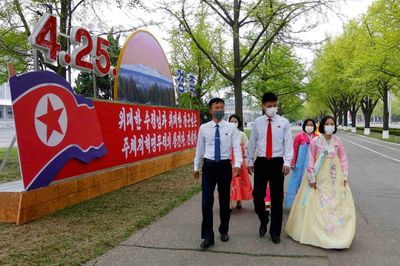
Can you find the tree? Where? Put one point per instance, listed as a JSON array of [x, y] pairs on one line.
[[14, 48], [282, 73], [380, 54], [186, 56], [252, 28], [360, 66], [104, 85], [20, 15]]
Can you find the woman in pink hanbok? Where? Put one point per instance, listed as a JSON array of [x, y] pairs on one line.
[[323, 212]]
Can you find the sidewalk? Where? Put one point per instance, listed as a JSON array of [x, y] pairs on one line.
[[175, 240]]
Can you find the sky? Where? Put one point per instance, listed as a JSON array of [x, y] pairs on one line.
[[332, 27], [347, 10]]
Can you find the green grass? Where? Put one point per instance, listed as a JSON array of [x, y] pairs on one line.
[[392, 131], [11, 169], [377, 135], [82, 232]]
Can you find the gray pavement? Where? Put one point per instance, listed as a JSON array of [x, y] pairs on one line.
[[374, 180]]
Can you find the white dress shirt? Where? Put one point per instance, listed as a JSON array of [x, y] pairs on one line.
[[229, 137], [281, 139]]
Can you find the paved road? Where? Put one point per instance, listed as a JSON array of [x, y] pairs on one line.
[[374, 179]]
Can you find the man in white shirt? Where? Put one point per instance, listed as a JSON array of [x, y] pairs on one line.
[[214, 143], [272, 138]]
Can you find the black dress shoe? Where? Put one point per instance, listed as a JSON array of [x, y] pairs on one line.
[[263, 229], [275, 239], [224, 237], [207, 243]]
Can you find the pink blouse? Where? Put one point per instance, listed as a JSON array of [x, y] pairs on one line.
[[319, 145], [300, 139]]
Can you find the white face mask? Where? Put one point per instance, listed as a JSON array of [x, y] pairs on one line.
[[309, 129], [329, 130], [235, 124], [271, 111]]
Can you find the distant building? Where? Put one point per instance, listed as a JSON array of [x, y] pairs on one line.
[[249, 113], [5, 103]]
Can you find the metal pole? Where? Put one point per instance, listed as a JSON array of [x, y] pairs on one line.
[[390, 107], [69, 67], [94, 86], [3, 163], [35, 60]]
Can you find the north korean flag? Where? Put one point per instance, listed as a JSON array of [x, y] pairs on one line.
[[53, 126]]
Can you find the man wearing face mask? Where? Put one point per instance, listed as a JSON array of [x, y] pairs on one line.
[[214, 143], [271, 139]]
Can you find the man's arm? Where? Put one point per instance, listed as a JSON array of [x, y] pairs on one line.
[[200, 149], [252, 145], [288, 145], [236, 136]]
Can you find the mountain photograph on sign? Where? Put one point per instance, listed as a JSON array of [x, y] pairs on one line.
[[145, 85], [144, 75]]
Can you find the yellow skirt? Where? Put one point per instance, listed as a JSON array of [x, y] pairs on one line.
[[324, 217]]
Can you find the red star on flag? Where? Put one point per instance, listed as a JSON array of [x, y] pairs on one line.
[[51, 119]]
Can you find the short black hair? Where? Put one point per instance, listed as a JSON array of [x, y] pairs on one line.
[[305, 123], [215, 100], [269, 97], [322, 124], [237, 118]]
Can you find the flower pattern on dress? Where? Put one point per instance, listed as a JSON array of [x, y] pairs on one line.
[[330, 228], [325, 200], [333, 173]]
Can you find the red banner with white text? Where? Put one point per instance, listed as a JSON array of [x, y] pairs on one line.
[[135, 132]]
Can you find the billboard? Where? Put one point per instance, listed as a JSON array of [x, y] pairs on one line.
[[143, 72], [61, 135]]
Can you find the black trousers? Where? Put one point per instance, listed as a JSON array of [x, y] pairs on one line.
[[215, 173], [269, 171]]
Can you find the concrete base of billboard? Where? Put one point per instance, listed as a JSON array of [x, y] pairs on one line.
[[24, 206]]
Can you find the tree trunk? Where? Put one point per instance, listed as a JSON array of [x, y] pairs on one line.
[[367, 117], [62, 71], [367, 107], [237, 82], [335, 115], [353, 112], [345, 120], [340, 115], [385, 94]]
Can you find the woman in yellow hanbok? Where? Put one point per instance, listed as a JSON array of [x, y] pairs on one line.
[[323, 212]]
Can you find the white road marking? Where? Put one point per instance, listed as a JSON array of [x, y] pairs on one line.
[[374, 139], [371, 150], [374, 143]]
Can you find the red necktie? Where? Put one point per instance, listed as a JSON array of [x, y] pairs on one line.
[[269, 139]]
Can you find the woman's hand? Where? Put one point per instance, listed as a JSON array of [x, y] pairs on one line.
[[313, 185]]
